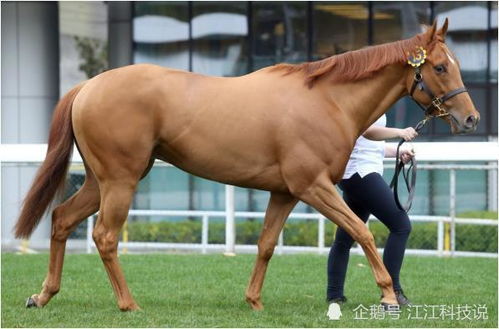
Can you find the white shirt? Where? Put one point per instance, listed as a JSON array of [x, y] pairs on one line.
[[367, 155]]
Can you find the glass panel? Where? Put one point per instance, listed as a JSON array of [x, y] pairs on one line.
[[240, 199], [394, 21], [208, 195], [74, 182], [493, 41], [302, 207], [83, 30], [260, 200], [439, 192], [471, 191], [404, 113], [161, 34], [339, 27], [467, 35], [219, 32], [163, 188], [279, 33]]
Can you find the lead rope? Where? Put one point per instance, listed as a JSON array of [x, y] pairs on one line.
[[411, 170]]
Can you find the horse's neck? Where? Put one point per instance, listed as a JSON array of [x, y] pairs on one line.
[[367, 100]]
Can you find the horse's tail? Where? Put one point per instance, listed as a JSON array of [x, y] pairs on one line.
[[50, 178]]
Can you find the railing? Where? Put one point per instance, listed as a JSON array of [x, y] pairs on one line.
[[230, 247], [438, 152], [230, 215]]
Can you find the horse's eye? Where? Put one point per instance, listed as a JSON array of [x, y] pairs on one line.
[[440, 69]]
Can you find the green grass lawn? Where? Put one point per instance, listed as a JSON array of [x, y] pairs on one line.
[[208, 291]]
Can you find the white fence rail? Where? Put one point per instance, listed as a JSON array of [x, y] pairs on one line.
[[425, 151], [15, 155], [230, 215], [204, 246]]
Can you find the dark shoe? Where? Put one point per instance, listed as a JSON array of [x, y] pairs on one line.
[[401, 298], [338, 300]]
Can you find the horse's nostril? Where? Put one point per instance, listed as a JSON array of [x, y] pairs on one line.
[[471, 121]]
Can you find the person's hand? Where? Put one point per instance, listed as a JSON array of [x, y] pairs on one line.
[[406, 155], [408, 134]]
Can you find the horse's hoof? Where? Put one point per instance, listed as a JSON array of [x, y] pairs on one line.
[[31, 302]]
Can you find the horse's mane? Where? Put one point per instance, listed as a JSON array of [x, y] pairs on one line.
[[355, 65]]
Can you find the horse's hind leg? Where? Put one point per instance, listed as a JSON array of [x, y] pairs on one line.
[[116, 196], [280, 205], [65, 218], [323, 196]]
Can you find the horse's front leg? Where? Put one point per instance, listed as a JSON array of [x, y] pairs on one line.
[[323, 196], [280, 205]]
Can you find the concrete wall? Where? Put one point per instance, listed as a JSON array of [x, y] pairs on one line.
[[30, 90]]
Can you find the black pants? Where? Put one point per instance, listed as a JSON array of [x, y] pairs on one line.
[[365, 196]]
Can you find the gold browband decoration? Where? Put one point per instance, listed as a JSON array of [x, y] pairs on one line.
[[417, 58]]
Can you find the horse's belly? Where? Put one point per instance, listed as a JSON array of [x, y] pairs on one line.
[[223, 163]]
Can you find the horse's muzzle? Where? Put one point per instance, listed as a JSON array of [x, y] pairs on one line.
[[471, 122], [467, 126]]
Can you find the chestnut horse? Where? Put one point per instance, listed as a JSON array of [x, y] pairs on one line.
[[287, 129]]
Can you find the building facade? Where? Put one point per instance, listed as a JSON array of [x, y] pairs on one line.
[[47, 47]]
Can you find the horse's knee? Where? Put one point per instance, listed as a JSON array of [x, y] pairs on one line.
[[106, 243]]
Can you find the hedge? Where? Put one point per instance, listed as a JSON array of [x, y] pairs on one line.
[[304, 233]]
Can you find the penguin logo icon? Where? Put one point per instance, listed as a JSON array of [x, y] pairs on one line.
[[334, 311]]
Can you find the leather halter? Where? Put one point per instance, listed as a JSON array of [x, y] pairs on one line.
[[436, 103]]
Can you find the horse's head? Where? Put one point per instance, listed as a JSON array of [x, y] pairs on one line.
[[435, 82]]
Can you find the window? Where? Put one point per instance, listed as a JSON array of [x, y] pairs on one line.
[[220, 34], [339, 27], [493, 42], [467, 36], [161, 34], [279, 33], [394, 21], [83, 31]]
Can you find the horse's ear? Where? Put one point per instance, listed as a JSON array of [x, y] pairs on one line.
[[432, 30], [443, 30]]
